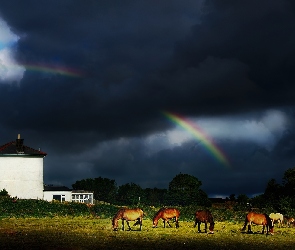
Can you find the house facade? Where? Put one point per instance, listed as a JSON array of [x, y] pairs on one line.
[[57, 193], [21, 175], [21, 169]]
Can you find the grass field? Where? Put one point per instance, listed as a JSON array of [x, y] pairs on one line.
[[91, 233]]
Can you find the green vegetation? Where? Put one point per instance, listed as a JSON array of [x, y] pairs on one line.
[[38, 224], [11, 207], [183, 190]]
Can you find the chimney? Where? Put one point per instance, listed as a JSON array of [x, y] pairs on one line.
[[19, 145]]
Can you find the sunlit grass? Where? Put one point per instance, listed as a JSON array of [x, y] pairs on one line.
[[91, 233]]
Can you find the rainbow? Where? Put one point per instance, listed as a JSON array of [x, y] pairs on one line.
[[200, 135], [53, 70]]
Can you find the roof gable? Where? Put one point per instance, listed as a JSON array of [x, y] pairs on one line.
[[17, 148]]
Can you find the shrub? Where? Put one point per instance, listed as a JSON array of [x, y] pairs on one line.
[[3, 192]]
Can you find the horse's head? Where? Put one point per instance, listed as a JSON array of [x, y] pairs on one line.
[[115, 224], [211, 227], [271, 227], [155, 223], [270, 223]]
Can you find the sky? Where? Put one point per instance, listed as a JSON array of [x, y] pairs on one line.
[[140, 91]]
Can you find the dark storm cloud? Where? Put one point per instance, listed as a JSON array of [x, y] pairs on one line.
[[131, 67], [256, 34], [137, 58], [117, 45]]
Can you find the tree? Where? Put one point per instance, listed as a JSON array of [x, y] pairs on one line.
[[184, 190], [130, 194], [281, 197], [104, 189], [289, 182], [154, 196], [232, 197], [243, 199]]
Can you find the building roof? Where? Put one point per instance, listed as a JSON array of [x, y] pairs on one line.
[[17, 148], [56, 188]]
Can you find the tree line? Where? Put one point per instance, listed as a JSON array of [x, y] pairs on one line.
[[186, 190], [183, 190], [279, 196]]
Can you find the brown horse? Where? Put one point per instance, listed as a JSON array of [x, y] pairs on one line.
[[258, 219], [166, 214], [128, 215], [204, 216]]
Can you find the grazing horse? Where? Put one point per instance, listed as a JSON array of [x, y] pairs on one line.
[[289, 221], [128, 215], [204, 216], [258, 219], [277, 217], [166, 214]]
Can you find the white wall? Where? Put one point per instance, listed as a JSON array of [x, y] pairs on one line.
[[48, 195], [22, 176]]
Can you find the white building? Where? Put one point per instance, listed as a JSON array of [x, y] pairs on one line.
[[65, 194], [21, 175], [21, 169], [57, 193]]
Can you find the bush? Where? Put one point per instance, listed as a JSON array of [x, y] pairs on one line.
[[3, 192]]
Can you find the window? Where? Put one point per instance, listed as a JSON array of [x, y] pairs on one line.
[[56, 197], [59, 197], [83, 198]]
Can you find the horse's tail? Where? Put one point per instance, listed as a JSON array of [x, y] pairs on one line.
[[177, 213]]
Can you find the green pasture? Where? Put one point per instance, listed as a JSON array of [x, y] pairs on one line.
[[81, 232], [38, 224]]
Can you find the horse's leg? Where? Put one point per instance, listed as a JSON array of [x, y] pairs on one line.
[[129, 228], [140, 224], [137, 222], [176, 222], [205, 226], [164, 221], [195, 223], [168, 223], [122, 224], [199, 226], [249, 227]]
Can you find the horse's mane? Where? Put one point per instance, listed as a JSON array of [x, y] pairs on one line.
[[117, 214]]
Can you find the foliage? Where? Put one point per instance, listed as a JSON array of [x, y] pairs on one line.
[[105, 211], [280, 197], [185, 190], [243, 199], [130, 194], [11, 207], [289, 182], [154, 196], [3, 192]]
